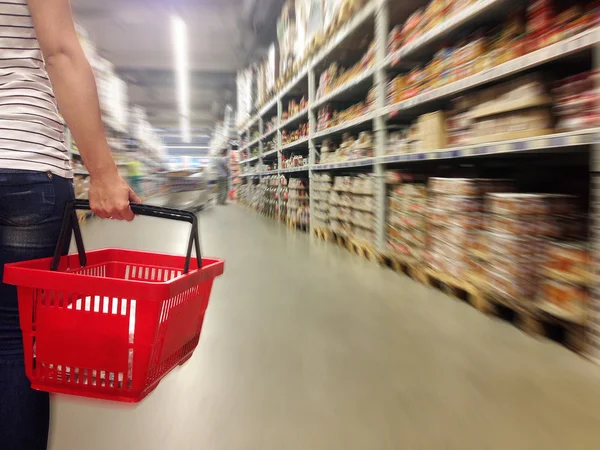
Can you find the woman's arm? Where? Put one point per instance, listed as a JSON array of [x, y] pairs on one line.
[[75, 89]]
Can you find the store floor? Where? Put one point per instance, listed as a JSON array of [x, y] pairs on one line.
[[306, 347]]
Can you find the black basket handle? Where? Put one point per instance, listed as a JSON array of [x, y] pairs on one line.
[[70, 222]]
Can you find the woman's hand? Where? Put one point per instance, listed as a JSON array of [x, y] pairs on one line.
[[110, 197]]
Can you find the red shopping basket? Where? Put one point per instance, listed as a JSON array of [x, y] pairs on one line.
[[110, 324]]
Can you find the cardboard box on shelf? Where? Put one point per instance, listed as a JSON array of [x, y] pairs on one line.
[[432, 130]]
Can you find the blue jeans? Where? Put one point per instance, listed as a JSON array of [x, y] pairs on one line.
[[31, 210]]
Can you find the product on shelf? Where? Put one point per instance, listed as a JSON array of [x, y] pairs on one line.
[[407, 220], [486, 49], [577, 102], [303, 29], [335, 77], [268, 201], [321, 189], [293, 161], [525, 221], [300, 133], [567, 297], [423, 20], [349, 149], [427, 133], [351, 208], [328, 118], [271, 124], [270, 145], [298, 203], [294, 108], [455, 221]]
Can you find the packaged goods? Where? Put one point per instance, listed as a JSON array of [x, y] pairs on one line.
[[406, 221], [522, 289], [467, 186], [576, 102], [467, 221], [351, 207], [564, 295], [457, 203], [521, 265], [571, 259], [533, 225], [509, 244], [518, 204], [300, 133], [435, 136]]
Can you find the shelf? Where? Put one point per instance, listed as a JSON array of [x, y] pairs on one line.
[[347, 88], [441, 32], [365, 162], [267, 154], [297, 143], [295, 81], [549, 141], [268, 106], [81, 172], [268, 134], [253, 120], [249, 160], [552, 52], [364, 14], [295, 118], [344, 126], [295, 169], [268, 172], [252, 143]]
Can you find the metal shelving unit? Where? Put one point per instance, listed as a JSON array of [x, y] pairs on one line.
[[379, 11]]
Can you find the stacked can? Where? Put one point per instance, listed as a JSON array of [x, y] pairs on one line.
[[455, 222], [407, 220], [519, 228]]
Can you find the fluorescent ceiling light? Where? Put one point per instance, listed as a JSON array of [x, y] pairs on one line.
[[180, 52], [196, 147]]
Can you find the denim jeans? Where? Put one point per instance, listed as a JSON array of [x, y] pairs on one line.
[[31, 209], [223, 190]]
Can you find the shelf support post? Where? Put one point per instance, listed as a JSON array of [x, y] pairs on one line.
[[379, 122], [312, 146]]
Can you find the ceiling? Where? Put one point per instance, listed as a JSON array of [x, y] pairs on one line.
[[223, 35]]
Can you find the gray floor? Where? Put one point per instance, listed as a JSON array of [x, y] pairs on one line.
[[306, 347]]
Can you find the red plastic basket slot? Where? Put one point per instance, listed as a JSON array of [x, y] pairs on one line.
[[114, 328]]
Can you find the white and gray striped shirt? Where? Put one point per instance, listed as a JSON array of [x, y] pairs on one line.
[[31, 129]]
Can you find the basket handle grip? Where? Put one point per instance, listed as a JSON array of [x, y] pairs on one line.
[[70, 222]]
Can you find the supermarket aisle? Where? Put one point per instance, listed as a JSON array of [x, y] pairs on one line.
[[306, 347]]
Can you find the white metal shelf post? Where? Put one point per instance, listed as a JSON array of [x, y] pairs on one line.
[[379, 122], [312, 146], [278, 154], [260, 141], [592, 347], [592, 344]]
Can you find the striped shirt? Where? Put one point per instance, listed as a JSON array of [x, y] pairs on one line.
[[31, 129]]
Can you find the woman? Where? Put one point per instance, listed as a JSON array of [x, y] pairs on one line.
[[42, 66]]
